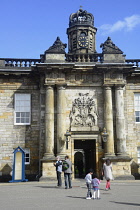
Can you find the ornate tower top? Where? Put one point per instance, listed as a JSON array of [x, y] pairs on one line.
[[81, 33], [81, 17]]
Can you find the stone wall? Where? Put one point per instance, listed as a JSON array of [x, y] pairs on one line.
[[25, 136], [132, 128]]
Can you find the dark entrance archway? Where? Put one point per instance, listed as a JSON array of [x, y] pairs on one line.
[[89, 155]]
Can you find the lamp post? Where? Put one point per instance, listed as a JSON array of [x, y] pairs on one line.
[[104, 135], [67, 134]]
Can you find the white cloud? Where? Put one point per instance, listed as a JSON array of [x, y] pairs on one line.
[[128, 24]]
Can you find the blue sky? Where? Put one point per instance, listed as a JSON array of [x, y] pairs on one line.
[[29, 27]]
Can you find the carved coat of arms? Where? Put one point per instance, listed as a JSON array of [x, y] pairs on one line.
[[84, 112]]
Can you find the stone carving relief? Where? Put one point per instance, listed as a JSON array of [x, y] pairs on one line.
[[84, 111], [109, 47], [57, 47]]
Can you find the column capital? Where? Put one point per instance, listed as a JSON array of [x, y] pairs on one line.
[[119, 87], [49, 87], [61, 86], [107, 87]]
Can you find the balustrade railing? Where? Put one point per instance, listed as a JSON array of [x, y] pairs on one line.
[[81, 22], [15, 62], [135, 62], [96, 57]]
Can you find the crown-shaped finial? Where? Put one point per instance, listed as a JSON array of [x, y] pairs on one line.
[[81, 16]]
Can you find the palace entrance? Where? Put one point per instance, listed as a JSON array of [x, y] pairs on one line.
[[84, 157]]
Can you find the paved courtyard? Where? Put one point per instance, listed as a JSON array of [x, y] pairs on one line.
[[45, 195]]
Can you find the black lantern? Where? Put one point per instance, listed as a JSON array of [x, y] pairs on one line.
[[104, 135]]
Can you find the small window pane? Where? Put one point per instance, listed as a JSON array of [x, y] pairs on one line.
[[27, 120], [18, 114], [22, 114], [17, 120], [27, 156], [22, 120], [27, 114]]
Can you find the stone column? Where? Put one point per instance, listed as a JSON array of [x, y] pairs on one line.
[[49, 123], [120, 121], [61, 120], [108, 117]]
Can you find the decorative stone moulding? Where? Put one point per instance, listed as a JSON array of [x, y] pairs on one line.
[[84, 113]]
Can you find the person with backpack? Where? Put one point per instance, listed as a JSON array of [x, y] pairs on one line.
[[58, 165], [67, 168]]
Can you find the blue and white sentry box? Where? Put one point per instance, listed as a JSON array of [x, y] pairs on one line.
[[18, 173]]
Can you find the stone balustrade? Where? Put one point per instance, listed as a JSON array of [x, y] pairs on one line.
[[136, 62], [15, 62], [96, 57]]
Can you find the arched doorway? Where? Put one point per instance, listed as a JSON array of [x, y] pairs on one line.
[[79, 163]]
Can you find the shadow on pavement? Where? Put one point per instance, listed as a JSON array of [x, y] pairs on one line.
[[51, 187], [131, 204], [76, 197]]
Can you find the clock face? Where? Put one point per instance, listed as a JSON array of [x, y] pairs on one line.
[[83, 41]]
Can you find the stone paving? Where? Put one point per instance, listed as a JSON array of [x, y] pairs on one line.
[[45, 195]]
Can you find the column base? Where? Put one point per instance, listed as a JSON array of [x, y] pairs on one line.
[[109, 155], [48, 156], [124, 177], [122, 154], [121, 167], [48, 168]]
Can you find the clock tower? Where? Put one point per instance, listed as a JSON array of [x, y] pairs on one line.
[[81, 33]]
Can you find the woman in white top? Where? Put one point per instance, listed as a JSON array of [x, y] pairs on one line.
[[107, 173]]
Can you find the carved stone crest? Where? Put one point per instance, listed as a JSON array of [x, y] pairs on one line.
[[57, 47], [84, 111], [108, 47]]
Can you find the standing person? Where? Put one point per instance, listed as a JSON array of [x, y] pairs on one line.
[[67, 172], [58, 165], [88, 179], [95, 184], [107, 172]]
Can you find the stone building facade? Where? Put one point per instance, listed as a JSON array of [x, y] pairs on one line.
[[82, 103]]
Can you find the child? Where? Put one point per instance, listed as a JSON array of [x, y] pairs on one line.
[[95, 184], [88, 179]]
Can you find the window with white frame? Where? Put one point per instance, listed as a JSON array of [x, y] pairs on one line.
[[138, 154], [22, 109], [137, 107], [27, 156]]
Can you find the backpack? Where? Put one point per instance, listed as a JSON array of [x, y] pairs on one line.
[[65, 166]]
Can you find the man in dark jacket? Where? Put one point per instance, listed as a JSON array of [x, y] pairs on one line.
[[67, 173], [58, 166]]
